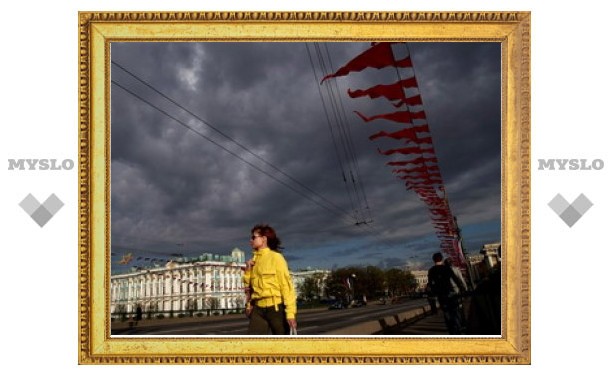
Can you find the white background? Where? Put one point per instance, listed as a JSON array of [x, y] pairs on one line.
[[570, 106]]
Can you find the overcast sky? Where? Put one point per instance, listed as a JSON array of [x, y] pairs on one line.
[[175, 188]]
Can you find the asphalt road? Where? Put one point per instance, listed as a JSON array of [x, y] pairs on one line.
[[310, 322]]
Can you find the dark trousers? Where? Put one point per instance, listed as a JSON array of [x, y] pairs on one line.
[[451, 307], [267, 319]]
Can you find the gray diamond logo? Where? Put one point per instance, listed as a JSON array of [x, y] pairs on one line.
[[41, 213], [570, 213]]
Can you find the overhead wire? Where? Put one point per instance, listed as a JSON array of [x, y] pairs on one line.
[[333, 100], [353, 156], [332, 210], [233, 140], [339, 115], [329, 117], [356, 194]]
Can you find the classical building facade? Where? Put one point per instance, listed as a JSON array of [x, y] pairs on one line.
[[208, 284], [421, 279], [320, 275]]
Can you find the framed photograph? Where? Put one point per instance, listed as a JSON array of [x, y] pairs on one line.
[[379, 145]]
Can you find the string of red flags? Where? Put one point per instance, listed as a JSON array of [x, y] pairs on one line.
[[419, 169], [144, 262], [378, 56], [125, 259], [393, 91], [407, 151], [410, 134], [129, 258]]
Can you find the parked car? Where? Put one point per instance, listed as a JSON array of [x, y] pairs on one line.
[[358, 303], [337, 306]]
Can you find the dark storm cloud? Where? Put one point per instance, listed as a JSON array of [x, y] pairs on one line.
[[173, 187]]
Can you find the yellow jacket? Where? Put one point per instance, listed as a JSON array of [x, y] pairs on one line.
[[270, 281]]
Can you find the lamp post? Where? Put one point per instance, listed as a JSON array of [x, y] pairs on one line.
[[353, 276]]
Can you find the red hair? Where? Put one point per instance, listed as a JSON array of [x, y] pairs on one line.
[[274, 242]]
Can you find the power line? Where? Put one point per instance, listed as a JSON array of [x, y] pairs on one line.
[[350, 169], [331, 131], [350, 139], [227, 150], [277, 169], [341, 132]]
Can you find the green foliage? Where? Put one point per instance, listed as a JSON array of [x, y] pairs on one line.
[[369, 281], [311, 287], [400, 282]]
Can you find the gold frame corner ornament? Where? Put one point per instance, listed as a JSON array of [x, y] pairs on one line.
[[98, 29]]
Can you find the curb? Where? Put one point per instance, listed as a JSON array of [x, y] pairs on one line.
[[380, 326]]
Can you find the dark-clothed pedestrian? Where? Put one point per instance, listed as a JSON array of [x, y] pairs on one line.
[[272, 303], [459, 289], [441, 278], [138, 313], [431, 299]]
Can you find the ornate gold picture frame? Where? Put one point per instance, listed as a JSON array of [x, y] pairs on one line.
[[98, 29]]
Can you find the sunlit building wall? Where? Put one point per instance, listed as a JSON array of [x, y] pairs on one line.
[[207, 284]]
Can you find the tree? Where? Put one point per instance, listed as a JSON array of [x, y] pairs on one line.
[[310, 288], [372, 284], [355, 282], [335, 284], [411, 281], [400, 282], [395, 281]]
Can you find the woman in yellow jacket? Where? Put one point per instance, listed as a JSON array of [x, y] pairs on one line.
[[272, 306]]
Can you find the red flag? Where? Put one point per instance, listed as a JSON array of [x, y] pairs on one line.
[[439, 211], [399, 163], [407, 133], [440, 218], [441, 226], [421, 128], [412, 101], [125, 259], [418, 115], [419, 181], [405, 150], [393, 91], [412, 182], [427, 193], [427, 140], [419, 160], [418, 169], [418, 185], [402, 116], [378, 56], [404, 63], [421, 171], [431, 176]]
